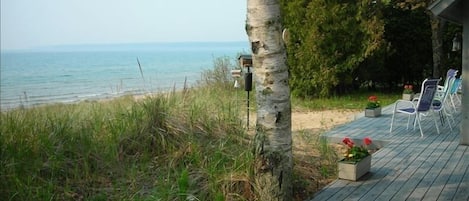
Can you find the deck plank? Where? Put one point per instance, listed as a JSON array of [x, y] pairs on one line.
[[462, 193], [444, 167], [407, 167], [453, 180], [401, 169], [432, 166]]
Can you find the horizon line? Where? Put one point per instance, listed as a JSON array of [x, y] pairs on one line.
[[108, 44]]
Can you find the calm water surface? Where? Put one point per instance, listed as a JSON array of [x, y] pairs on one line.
[[75, 73]]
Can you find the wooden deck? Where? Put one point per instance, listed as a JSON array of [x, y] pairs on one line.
[[407, 166]]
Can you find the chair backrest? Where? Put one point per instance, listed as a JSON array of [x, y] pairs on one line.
[[427, 93], [447, 92], [456, 85], [450, 74]]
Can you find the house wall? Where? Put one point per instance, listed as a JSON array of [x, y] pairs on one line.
[[465, 75]]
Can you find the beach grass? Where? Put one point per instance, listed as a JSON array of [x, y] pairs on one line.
[[123, 149], [162, 147], [183, 145]]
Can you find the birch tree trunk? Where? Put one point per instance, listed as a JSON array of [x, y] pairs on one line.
[[273, 141]]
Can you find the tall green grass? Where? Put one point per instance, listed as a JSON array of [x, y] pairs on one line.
[[354, 101], [188, 144]]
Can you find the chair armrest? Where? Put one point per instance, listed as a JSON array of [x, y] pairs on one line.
[[405, 103]]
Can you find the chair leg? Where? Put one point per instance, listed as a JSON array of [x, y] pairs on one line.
[[442, 118], [449, 118], [449, 115], [451, 98], [408, 122], [392, 118], [417, 119], [436, 122], [392, 121]]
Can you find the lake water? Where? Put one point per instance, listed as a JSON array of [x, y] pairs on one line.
[[65, 74]]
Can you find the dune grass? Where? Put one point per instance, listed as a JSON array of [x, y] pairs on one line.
[[187, 145], [123, 150], [166, 147]]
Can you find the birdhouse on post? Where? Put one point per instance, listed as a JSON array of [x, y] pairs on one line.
[[245, 60]]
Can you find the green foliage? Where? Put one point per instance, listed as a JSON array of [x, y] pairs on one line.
[[327, 43], [335, 47], [409, 53], [219, 76]]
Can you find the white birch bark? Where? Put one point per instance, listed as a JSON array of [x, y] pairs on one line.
[[273, 141]]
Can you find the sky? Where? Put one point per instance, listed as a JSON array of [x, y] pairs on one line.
[[41, 23]]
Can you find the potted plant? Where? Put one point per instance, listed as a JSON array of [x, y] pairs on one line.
[[356, 161], [408, 93], [373, 107]]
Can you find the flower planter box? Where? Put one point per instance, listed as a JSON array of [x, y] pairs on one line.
[[376, 112], [353, 171], [408, 97]]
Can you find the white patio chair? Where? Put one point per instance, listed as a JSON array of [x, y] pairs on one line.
[[441, 103], [451, 73], [454, 94], [418, 108]]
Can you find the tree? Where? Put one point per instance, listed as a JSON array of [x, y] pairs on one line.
[[438, 27], [329, 40], [409, 50], [273, 141]]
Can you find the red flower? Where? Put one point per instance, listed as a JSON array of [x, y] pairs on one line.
[[367, 141], [346, 140], [408, 89], [356, 153], [408, 86], [373, 98]]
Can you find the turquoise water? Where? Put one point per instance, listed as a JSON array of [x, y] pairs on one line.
[[66, 74]]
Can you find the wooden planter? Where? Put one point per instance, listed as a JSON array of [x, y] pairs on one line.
[[408, 97], [353, 171], [376, 112]]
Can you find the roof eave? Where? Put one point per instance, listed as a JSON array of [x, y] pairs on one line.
[[448, 9]]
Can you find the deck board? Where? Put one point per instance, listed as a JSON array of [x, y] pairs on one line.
[[407, 166]]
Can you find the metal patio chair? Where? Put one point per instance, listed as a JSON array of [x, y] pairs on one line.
[[418, 108], [454, 94], [442, 104]]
